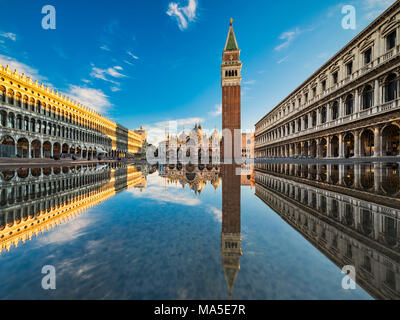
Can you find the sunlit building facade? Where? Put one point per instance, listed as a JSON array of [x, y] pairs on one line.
[[38, 122], [349, 108]]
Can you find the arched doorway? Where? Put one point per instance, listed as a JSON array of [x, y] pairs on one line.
[[72, 150], [7, 147], [36, 148], [65, 149], [349, 145], [335, 146], [78, 151], [391, 179], [313, 149], [391, 140], [22, 148], [56, 150], [47, 149], [323, 145], [367, 143]]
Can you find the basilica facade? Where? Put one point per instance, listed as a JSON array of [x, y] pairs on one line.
[[38, 122], [349, 108]]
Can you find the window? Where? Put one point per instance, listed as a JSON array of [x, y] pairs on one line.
[[324, 85], [368, 56], [299, 102], [314, 118], [349, 105], [323, 115], [306, 122], [314, 91], [335, 110], [391, 41], [335, 77], [367, 98], [306, 97], [391, 88], [349, 68]]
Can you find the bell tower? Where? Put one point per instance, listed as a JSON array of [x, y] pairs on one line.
[[231, 80]]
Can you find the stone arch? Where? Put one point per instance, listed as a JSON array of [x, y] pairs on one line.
[[391, 140], [22, 148], [348, 145], [323, 148], [47, 149], [7, 147], [367, 97], [390, 88], [335, 146], [367, 143], [56, 150], [391, 179], [36, 148]]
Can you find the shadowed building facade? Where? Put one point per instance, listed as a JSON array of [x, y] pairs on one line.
[[350, 213], [349, 108]]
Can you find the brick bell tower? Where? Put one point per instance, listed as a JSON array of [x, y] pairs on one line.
[[231, 80]]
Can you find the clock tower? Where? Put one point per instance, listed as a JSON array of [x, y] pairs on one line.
[[231, 80]]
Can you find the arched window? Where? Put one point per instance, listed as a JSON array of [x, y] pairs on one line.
[[226, 73], [349, 104], [391, 88], [367, 97], [335, 110], [323, 115], [314, 118]]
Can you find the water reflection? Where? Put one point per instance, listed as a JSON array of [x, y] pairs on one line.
[[34, 200], [348, 212], [196, 178]]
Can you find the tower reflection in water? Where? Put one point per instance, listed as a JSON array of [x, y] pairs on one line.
[[34, 200], [348, 212], [231, 225]]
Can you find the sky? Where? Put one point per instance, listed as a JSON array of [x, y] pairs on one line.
[[149, 62]]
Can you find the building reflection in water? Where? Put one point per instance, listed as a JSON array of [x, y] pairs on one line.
[[348, 212], [196, 178], [34, 200]]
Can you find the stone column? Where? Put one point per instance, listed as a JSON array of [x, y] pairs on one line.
[[318, 153], [329, 151], [318, 116], [377, 142], [356, 102], [341, 146], [377, 176], [376, 93], [341, 107], [341, 174], [357, 145], [357, 175], [310, 120]]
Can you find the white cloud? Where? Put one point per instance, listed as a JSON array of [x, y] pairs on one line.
[[132, 55], [115, 89], [105, 48], [376, 7], [216, 212], [92, 98], [288, 36], [283, 60], [22, 68], [104, 74], [9, 35], [217, 111], [156, 131], [183, 15], [250, 82]]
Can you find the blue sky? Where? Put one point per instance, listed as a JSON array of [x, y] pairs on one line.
[[146, 62]]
